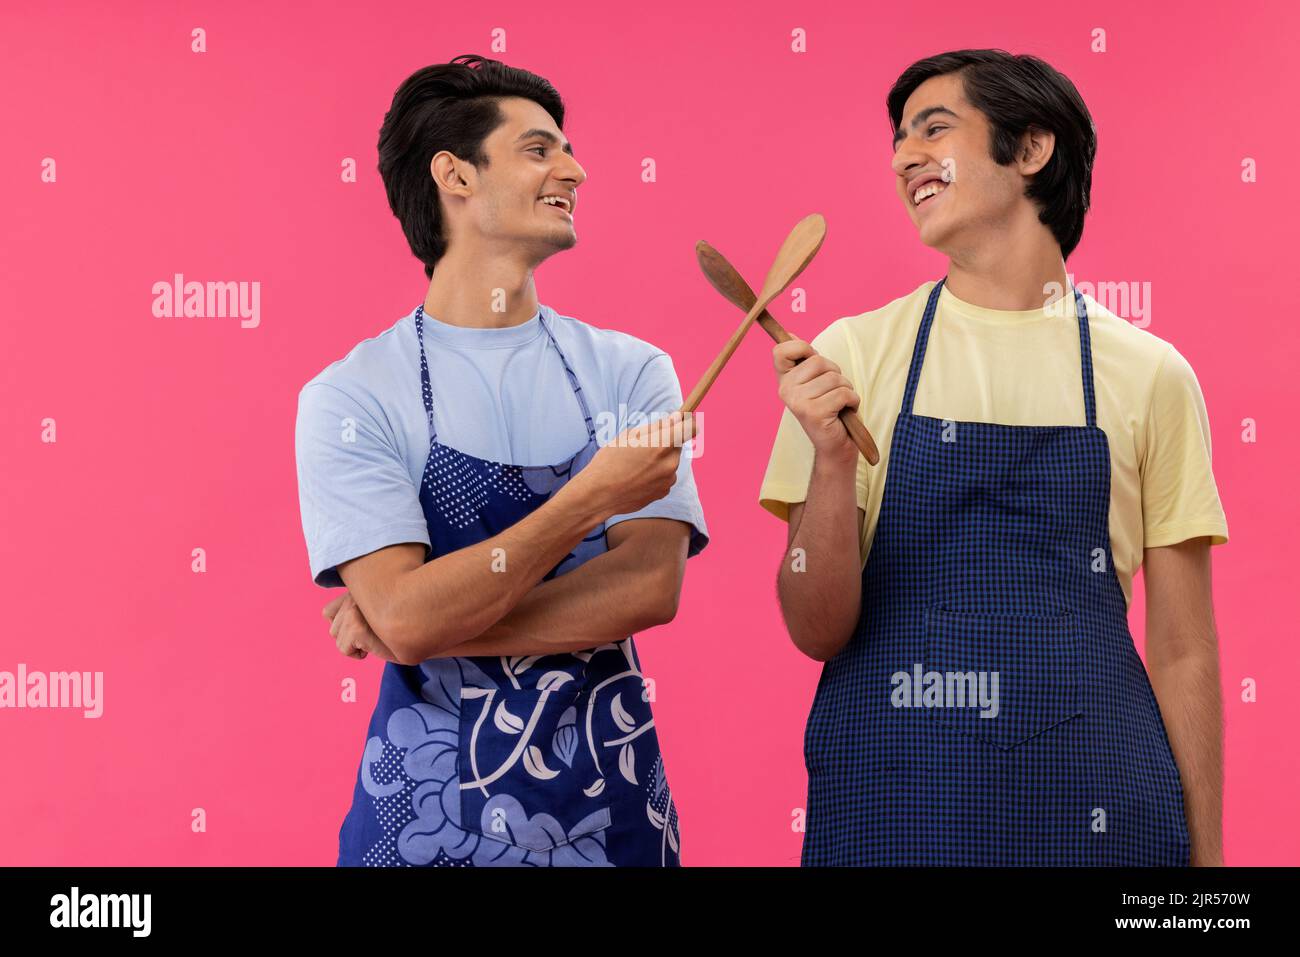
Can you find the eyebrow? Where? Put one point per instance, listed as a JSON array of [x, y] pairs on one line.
[[547, 135], [921, 117]]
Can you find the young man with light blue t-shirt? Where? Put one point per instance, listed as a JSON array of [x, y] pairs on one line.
[[459, 474]]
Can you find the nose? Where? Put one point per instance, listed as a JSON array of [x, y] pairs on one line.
[[907, 158], [573, 172]]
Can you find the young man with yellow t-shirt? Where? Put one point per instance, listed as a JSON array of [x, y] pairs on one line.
[[982, 702]]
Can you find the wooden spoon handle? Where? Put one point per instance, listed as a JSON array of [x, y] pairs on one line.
[[723, 277], [857, 430], [706, 380], [796, 252]]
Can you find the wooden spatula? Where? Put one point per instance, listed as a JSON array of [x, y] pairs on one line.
[[793, 257], [724, 278]]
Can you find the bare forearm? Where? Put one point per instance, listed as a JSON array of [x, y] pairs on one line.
[[457, 596], [1189, 694], [605, 599], [818, 584]]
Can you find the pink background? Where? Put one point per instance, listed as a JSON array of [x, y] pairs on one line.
[[222, 690]]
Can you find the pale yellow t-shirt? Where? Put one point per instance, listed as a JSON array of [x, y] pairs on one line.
[[1023, 368]]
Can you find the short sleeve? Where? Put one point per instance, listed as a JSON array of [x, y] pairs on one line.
[[655, 393], [789, 468], [354, 489], [1179, 497]]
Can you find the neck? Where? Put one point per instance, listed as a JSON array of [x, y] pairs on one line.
[[1010, 266], [482, 288]]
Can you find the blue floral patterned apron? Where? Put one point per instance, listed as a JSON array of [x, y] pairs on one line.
[[531, 760], [990, 708]]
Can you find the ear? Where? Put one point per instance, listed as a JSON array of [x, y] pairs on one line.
[[1036, 147], [451, 174]]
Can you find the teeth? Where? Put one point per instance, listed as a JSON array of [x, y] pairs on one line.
[[556, 201], [929, 189]]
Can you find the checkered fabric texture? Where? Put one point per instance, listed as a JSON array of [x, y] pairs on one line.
[[992, 554]]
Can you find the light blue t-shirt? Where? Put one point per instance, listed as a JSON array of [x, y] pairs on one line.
[[362, 437]]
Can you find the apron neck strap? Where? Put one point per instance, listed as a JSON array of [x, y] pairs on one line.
[[923, 337], [427, 389]]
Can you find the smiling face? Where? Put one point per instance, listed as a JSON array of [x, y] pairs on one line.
[[945, 142], [528, 159]]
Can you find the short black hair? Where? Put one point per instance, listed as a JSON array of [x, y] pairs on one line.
[[1016, 93], [447, 106]]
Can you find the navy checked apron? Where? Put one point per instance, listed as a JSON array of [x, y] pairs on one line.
[[990, 589], [534, 760]]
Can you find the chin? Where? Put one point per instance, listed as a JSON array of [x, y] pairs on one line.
[[564, 240], [936, 237], [544, 247]]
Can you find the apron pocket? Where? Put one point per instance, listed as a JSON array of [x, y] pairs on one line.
[[1003, 677], [533, 783]]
